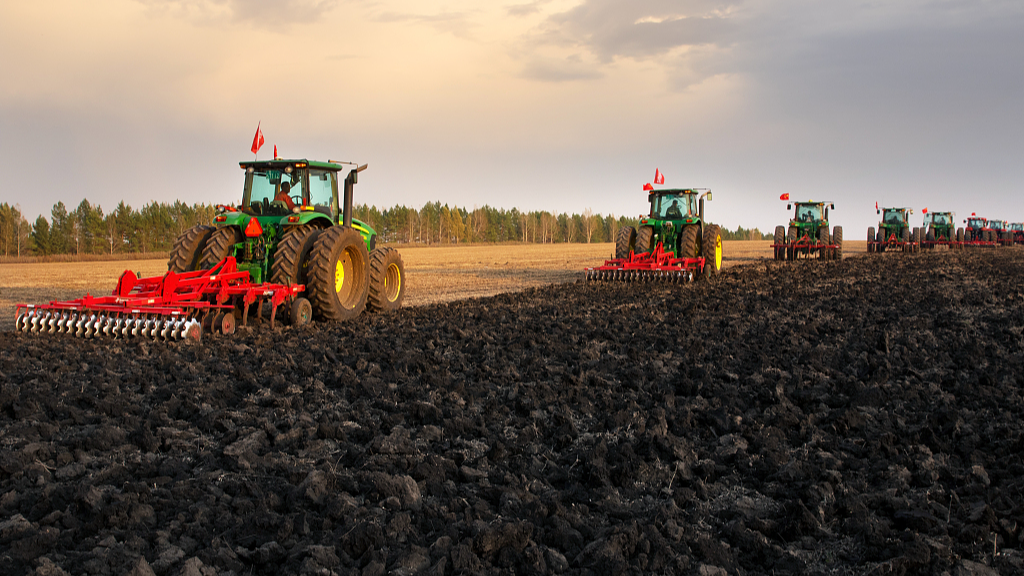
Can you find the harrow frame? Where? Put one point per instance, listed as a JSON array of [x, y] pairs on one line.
[[808, 247], [175, 306], [659, 265]]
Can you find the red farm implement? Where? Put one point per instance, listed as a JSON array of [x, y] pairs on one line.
[[655, 266], [175, 306]]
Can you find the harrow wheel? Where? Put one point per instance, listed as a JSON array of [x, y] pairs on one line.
[[220, 245], [291, 259], [644, 238], [188, 249], [339, 274], [300, 312], [625, 242], [387, 280], [712, 250]]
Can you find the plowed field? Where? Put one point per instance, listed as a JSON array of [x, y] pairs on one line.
[[853, 417]]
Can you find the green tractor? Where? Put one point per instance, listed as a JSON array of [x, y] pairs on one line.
[[291, 228], [939, 229], [808, 233], [894, 232], [676, 221]]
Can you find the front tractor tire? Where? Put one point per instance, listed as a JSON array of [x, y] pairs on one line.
[[188, 249], [625, 242], [339, 274], [387, 280], [291, 259], [712, 250], [220, 245]]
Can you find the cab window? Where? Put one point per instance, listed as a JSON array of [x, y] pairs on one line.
[[321, 190]]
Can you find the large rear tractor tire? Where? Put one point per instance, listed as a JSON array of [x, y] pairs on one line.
[[881, 239], [959, 234], [905, 238], [220, 245], [712, 250], [780, 238], [625, 241], [871, 238], [387, 280], [823, 238], [837, 239], [791, 239], [188, 249], [644, 238], [291, 259], [338, 274]]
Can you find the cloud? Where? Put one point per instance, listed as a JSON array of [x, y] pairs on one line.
[[263, 13], [559, 70], [458, 24], [527, 9]]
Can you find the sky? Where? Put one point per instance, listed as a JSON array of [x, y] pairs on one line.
[[558, 105]]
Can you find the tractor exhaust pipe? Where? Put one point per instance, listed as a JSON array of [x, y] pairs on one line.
[[350, 182]]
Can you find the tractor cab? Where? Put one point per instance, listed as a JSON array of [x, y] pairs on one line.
[[939, 219], [895, 216], [810, 214], [1015, 227], [282, 187], [976, 222], [997, 225]]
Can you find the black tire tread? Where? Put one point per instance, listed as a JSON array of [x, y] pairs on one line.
[[291, 250], [219, 244], [188, 248], [320, 289], [380, 260], [625, 241]]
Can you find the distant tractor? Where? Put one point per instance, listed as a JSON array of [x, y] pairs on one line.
[[939, 230], [894, 232], [1017, 229], [977, 232], [1003, 235], [808, 233], [673, 242]]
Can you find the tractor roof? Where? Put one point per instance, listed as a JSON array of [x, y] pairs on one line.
[[678, 191], [895, 208], [281, 163], [811, 202]]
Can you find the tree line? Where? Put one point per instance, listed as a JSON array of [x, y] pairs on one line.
[[87, 229]]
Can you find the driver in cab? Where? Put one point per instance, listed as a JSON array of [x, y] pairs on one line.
[[283, 196], [673, 211]]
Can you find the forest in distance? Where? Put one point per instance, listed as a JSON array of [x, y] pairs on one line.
[[87, 229]]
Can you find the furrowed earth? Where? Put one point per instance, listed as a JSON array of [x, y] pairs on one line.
[[853, 417]]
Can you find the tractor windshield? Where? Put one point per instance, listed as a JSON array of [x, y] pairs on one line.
[[941, 219], [975, 223], [1018, 227], [894, 217], [997, 224], [321, 191], [674, 206], [808, 212], [265, 189]]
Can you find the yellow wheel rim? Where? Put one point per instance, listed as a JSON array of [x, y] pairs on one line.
[[392, 282], [718, 253], [339, 271]]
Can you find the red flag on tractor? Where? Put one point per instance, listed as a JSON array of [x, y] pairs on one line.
[[648, 187], [257, 140], [876, 205], [275, 151], [659, 178], [925, 211], [784, 196]]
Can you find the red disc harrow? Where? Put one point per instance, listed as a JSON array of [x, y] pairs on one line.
[[172, 307], [655, 266]]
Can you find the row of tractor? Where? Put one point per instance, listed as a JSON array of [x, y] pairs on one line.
[[895, 232]]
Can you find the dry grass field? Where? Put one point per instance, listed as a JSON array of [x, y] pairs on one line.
[[435, 274]]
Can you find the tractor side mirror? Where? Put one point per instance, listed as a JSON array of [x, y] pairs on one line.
[[832, 205], [709, 195], [878, 211], [789, 206]]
